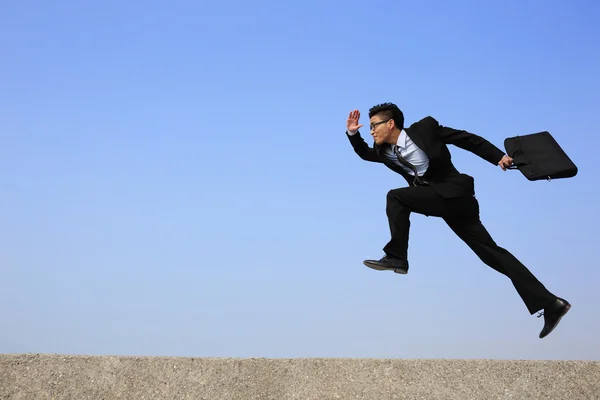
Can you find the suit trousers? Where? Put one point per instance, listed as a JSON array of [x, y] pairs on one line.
[[462, 216]]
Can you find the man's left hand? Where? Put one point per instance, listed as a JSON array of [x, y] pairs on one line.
[[506, 161]]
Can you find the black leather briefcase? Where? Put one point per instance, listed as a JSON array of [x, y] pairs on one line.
[[538, 156]]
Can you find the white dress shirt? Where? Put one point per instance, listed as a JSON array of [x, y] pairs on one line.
[[408, 150]]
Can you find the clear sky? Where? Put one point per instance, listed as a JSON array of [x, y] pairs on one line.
[[176, 179]]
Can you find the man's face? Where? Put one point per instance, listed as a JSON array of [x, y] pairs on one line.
[[381, 128]]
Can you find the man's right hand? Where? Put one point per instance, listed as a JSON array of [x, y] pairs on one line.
[[352, 123]]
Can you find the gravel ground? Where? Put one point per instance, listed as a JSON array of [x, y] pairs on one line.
[[49, 376]]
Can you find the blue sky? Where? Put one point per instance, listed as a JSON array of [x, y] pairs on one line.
[[177, 180]]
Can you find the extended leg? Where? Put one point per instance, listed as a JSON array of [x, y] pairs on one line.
[[473, 233]]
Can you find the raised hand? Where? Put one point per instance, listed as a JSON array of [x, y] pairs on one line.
[[352, 122]]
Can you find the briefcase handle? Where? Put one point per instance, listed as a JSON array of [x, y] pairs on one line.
[[518, 154]]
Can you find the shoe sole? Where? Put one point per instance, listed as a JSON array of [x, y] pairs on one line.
[[567, 308], [380, 268]]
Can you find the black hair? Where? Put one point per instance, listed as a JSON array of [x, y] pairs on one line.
[[390, 110]]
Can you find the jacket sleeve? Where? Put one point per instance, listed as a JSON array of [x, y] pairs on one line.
[[362, 148], [467, 141]]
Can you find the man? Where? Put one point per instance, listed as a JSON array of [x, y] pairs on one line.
[[435, 188]]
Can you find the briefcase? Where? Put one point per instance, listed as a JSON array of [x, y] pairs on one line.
[[538, 156]]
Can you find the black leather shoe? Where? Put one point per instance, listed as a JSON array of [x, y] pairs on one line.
[[552, 315], [388, 263]]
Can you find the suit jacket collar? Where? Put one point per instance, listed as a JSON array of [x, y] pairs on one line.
[[413, 133]]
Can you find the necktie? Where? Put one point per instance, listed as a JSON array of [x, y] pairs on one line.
[[417, 181]]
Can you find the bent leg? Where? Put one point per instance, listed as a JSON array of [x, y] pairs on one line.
[[399, 205]]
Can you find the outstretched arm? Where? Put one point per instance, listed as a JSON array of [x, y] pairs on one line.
[[473, 143], [360, 146]]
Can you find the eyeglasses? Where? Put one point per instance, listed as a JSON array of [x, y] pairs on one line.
[[373, 125]]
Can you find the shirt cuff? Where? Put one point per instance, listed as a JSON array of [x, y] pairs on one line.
[[351, 133]]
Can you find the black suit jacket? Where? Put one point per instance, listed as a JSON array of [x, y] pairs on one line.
[[432, 138]]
